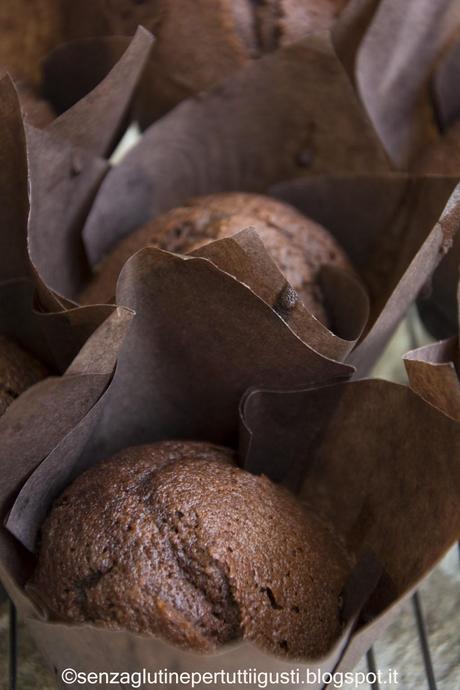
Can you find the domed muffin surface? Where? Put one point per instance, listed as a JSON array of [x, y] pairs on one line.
[[299, 246], [174, 539]]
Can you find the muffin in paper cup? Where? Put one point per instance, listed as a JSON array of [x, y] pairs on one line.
[[323, 440], [385, 221], [149, 376]]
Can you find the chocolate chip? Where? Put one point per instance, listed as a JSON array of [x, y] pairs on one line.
[[286, 301]]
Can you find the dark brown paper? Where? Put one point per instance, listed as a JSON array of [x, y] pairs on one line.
[[39, 419], [434, 373], [54, 337], [73, 69], [60, 199], [158, 374], [57, 336], [13, 186], [94, 121], [437, 304], [446, 98], [65, 170], [380, 463], [393, 69], [395, 228], [371, 455], [169, 381], [350, 29], [244, 257], [287, 114]]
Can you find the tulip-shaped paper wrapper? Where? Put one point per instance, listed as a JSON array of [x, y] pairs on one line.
[[380, 463], [438, 307], [434, 373], [336, 445], [406, 69], [45, 328], [224, 140]]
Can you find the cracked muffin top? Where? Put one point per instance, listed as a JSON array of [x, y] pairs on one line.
[[197, 44], [298, 245], [174, 539]]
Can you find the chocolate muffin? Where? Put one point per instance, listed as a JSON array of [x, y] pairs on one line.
[[272, 22], [18, 371], [299, 246], [200, 43], [197, 44], [174, 539]]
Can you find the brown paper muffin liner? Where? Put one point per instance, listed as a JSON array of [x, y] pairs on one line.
[[248, 160], [406, 70], [55, 332], [372, 456], [246, 134], [185, 388], [194, 49], [381, 486], [395, 228], [252, 130], [95, 120], [394, 67], [206, 328], [71, 151], [402, 59], [438, 307], [434, 373]]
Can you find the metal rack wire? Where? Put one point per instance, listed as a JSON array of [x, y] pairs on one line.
[[424, 648]]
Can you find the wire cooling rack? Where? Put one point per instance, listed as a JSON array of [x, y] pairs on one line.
[[425, 650]]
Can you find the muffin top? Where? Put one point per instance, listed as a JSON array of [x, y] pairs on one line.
[[264, 26], [174, 539], [199, 43], [18, 371], [298, 245]]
